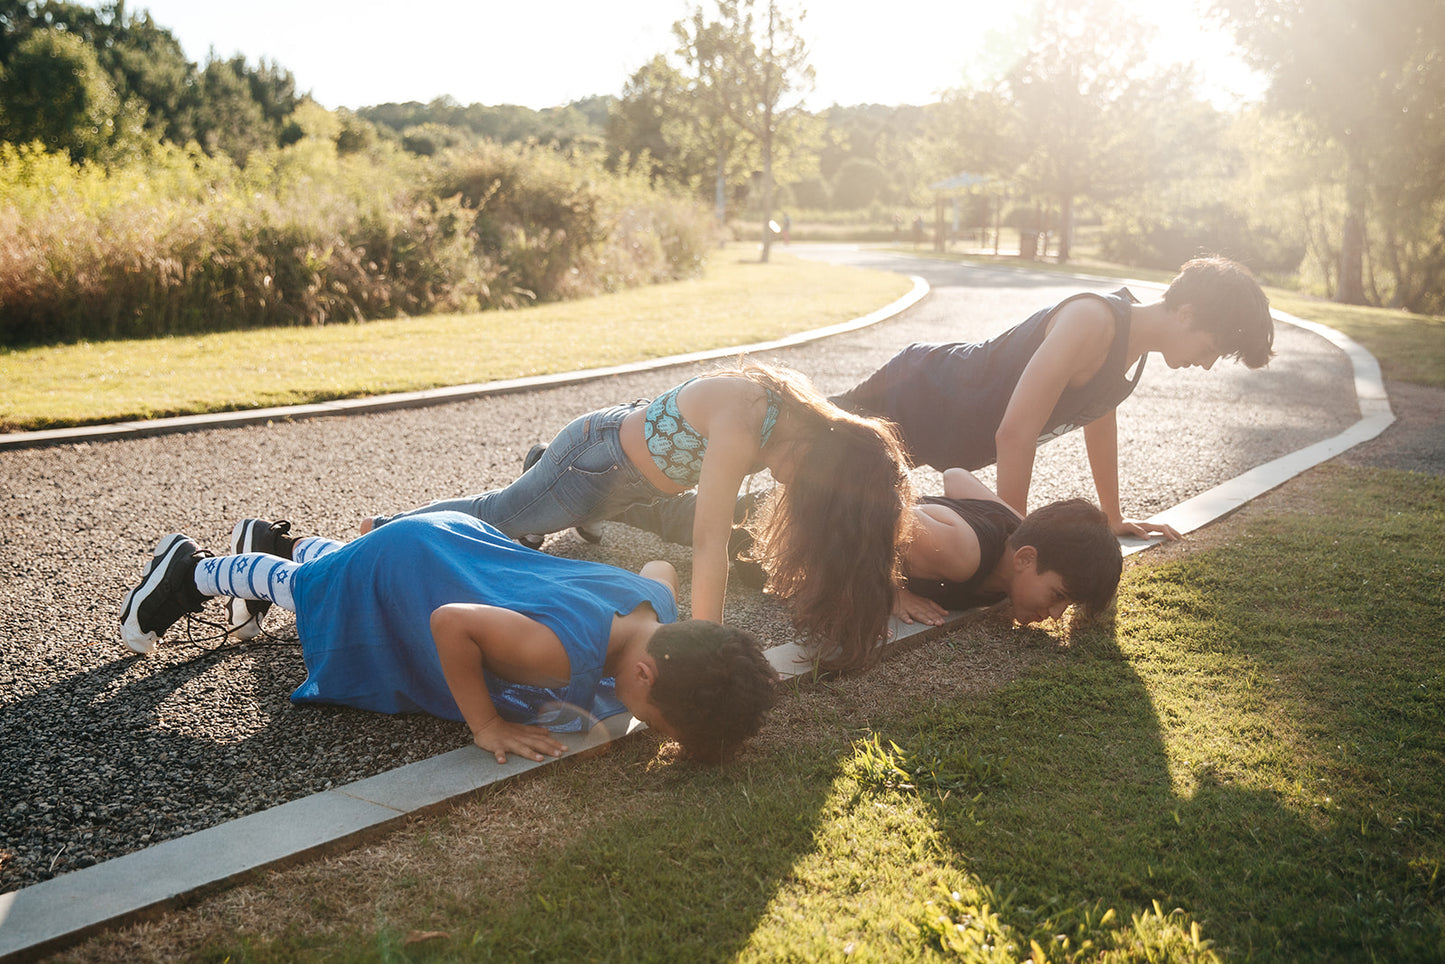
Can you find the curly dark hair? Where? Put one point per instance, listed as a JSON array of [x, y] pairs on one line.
[[832, 540], [713, 686], [1073, 538], [1230, 304]]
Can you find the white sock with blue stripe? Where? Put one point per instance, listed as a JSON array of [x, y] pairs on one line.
[[253, 575], [313, 547]]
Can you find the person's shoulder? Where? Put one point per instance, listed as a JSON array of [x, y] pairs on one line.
[[732, 395], [1085, 316]]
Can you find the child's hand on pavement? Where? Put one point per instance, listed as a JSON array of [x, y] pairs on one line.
[[1145, 530], [911, 607], [499, 738]]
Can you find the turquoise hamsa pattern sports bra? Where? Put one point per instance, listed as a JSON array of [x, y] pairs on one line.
[[677, 448]]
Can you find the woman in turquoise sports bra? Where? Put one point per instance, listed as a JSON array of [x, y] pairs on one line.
[[831, 540]]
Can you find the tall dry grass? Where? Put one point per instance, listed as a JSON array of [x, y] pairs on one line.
[[182, 243]]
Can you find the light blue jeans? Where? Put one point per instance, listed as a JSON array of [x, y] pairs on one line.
[[583, 477]]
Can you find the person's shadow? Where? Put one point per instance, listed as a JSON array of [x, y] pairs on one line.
[[1088, 802], [141, 750]]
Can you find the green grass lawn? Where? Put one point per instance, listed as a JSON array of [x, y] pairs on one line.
[[736, 302], [1244, 763]]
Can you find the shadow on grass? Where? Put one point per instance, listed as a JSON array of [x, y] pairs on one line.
[[688, 880], [1258, 741], [116, 767]]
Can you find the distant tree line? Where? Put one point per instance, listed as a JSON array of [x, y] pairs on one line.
[[1335, 179], [442, 123], [99, 82]]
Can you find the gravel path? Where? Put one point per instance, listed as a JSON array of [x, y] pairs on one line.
[[105, 753]]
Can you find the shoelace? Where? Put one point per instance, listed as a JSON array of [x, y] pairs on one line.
[[220, 637]]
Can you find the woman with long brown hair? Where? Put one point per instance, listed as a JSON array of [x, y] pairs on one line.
[[834, 536]]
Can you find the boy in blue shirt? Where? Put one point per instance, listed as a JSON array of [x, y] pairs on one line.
[[443, 614]]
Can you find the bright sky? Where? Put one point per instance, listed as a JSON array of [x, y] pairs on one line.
[[546, 53]]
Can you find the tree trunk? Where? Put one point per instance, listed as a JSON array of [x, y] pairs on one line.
[[1066, 227], [1351, 290], [767, 146], [720, 194]]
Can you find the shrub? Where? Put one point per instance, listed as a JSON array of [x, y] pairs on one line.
[[564, 227], [181, 242], [1216, 229]]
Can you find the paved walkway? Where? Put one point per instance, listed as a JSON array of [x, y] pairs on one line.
[[202, 752]]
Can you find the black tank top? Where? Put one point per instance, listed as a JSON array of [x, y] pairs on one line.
[[948, 400], [993, 522]]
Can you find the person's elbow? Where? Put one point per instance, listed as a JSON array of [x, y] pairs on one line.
[[447, 619], [1012, 437]]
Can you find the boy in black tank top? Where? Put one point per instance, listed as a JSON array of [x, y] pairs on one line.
[[1069, 366], [970, 549]]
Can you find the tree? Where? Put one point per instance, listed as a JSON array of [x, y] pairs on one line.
[[1369, 75], [636, 124], [229, 106], [858, 183], [753, 66], [228, 119], [890, 138], [972, 131], [145, 65], [1078, 96], [53, 91], [706, 127]]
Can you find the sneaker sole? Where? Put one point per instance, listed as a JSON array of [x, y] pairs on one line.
[[137, 639], [244, 616]]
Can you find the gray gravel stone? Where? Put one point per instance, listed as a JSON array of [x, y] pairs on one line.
[[106, 753]]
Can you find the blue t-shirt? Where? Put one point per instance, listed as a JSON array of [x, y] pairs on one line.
[[364, 618]]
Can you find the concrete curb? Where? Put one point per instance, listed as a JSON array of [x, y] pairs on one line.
[[40, 919], [435, 396]]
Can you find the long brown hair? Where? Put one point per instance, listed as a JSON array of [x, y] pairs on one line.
[[832, 540]]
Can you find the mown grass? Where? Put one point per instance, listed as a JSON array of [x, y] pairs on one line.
[[1244, 764], [737, 301]]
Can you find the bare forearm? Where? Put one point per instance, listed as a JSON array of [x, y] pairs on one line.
[[709, 581], [1015, 472], [1101, 443]]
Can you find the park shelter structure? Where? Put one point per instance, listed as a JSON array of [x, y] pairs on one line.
[[948, 191], [948, 194]]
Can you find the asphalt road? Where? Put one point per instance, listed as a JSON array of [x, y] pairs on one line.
[[105, 752]]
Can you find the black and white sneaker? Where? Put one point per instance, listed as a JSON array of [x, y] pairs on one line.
[[245, 616], [591, 532], [167, 591], [748, 571]]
